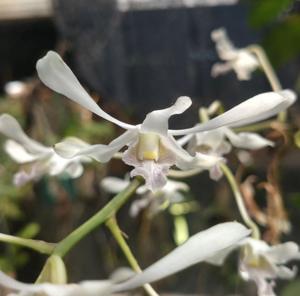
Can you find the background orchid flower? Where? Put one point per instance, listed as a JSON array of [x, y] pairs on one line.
[[197, 248], [155, 201], [219, 142], [241, 61], [152, 150], [42, 159], [262, 263]]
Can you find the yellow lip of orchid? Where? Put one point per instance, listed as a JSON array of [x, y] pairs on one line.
[[148, 146]]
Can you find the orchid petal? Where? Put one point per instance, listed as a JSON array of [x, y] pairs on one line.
[[183, 159], [11, 129], [257, 108], [85, 288], [157, 121], [220, 257], [247, 140], [18, 153], [74, 170], [102, 153], [286, 273], [283, 253], [55, 74], [197, 248], [155, 174]]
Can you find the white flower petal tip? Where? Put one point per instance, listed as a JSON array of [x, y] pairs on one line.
[[290, 95], [55, 74], [197, 248], [182, 104], [157, 121]]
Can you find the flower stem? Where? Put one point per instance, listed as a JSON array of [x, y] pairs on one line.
[[239, 201], [269, 72], [114, 228], [37, 245], [99, 218]]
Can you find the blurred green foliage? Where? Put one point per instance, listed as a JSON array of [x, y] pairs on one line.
[[280, 24]]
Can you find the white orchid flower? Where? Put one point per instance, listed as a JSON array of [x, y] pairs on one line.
[[219, 142], [152, 150], [262, 263], [156, 201], [241, 61], [42, 159], [196, 249]]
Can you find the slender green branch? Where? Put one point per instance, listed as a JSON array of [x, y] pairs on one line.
[[239, 201], [269, 72], [114, 228], [37, 245], [99, 218]]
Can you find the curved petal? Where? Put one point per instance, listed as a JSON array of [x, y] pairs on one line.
[[54, 73], [257, 108], [197, 248], [11, 129], [283, 253], [74, 169], [18, 153], [220, 257], [102, 153], [183, 159], [246, 140], [154, 173], [85, 288], [157, 121]]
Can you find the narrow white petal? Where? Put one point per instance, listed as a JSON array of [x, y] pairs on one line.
[[157, 121], [283, 253], [246, 140], [257, 108], [199, 247], [11, 129], [183, 159], [102, 153], [55, 74], [18, 153]]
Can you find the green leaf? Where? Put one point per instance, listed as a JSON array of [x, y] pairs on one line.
[[265, 11], [297, 139], [282, 43]]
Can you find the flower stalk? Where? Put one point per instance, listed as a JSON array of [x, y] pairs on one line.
[[239, 201], [114, 228], [95, 221], [37, 245], [269, 72]]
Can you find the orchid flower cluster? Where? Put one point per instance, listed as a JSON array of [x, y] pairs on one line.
[[156, 154]]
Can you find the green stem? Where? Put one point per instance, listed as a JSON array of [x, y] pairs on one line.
[[99, 218], [269, 72], [114, 228], [37, 245], [239, 201]]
